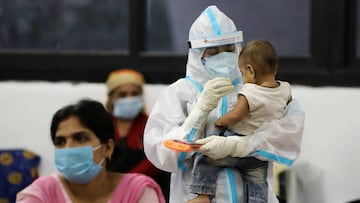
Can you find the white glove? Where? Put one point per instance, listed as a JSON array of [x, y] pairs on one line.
[[213, 90], [218, 147]]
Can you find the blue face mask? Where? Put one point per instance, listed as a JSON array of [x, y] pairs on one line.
[[221, 65], [127, 108], [77, 164]]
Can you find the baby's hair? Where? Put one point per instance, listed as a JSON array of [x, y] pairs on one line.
[[261, 54]]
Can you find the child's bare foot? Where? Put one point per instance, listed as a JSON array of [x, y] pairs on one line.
[[200, 199]]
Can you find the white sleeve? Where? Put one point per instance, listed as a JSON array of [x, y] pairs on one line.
[[280, 140], [164, 122]]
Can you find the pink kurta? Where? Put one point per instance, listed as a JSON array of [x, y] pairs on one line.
[[132, 188]]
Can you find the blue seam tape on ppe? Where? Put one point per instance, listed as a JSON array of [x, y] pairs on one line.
[[229, 171], [274, 157], [192, 132], [237, 82], [213, 21], [232, 185], [183, 154], [197, 85], [191, 135], [223, 105], [180, 160], [200, 88]]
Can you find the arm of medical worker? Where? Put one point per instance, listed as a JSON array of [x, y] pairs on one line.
[[170, 119], [218, 147], [278, 140], [164, 122], [209, 98]]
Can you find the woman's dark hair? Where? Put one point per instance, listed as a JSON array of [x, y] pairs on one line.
[[92, 115]]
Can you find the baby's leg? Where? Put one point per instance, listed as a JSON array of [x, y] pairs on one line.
[[256, 187], [203, 180]]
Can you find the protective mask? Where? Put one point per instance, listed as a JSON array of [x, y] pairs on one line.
[[127, 108], [77, 164], [221, 65]]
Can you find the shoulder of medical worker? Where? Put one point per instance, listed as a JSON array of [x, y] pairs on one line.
[[182, 87]]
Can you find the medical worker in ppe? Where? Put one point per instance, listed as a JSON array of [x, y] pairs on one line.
[[188, 108]]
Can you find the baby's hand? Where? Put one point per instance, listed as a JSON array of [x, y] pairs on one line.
[[219, 125]]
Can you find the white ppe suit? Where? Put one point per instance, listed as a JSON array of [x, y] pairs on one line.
[[274, 141]]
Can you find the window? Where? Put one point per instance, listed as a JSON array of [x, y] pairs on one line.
[[285, 23], [358, 30], [64, 25], [57, 40]]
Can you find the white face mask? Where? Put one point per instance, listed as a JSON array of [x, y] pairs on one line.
[[221, 65], [127, 108]]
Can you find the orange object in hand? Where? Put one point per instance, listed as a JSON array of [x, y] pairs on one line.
[[180, 145]]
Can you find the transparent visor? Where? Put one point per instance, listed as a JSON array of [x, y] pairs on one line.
[[232, 38]]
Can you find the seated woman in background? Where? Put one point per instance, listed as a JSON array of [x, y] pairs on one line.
[[83, 136], [125, 103]]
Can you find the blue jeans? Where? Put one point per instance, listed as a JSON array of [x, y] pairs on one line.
[[253, 172]]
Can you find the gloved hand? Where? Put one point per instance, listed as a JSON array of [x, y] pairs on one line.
[[213, 90], [218, 147]]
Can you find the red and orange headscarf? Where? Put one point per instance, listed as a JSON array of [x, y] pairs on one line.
[[123, 76]]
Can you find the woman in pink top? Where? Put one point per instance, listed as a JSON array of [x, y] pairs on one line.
[[83, 136]]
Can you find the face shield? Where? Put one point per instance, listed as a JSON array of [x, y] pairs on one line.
[[212, 28], [220, 40]]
